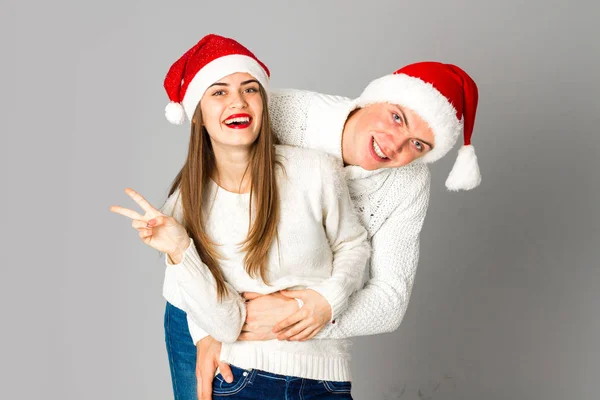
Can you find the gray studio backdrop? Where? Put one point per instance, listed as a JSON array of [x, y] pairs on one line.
[[505, 304]]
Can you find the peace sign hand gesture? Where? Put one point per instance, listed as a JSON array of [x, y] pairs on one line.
[[157, 230]]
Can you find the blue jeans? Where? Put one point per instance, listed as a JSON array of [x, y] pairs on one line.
[[182, 354], [255, 384], [247, 384]]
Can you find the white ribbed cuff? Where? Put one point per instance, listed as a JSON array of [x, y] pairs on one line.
[[196, 332], [337, 298], [190, 266]]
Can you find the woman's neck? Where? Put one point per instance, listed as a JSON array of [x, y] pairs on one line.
[[232, 172]]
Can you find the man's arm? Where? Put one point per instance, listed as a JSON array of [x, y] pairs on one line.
[[380, 306]]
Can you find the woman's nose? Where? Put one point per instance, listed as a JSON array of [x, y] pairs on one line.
[[238, 102]]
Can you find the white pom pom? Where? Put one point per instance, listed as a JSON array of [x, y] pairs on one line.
[[465, 174], [175, 113]]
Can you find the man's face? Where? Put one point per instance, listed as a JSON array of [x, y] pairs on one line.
[[386, 135]]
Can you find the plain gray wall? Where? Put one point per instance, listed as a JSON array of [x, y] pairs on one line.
[[505, 304]]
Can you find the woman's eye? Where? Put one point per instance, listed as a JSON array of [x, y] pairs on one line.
[[396, 117], [418, 145], [219, 93], [251, 90]]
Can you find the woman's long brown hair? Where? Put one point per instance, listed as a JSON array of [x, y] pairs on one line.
[[193, 180]]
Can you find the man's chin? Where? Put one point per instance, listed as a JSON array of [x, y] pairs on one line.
[[369, 166]]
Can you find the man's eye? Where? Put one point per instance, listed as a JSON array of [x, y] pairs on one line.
[[397, 118]]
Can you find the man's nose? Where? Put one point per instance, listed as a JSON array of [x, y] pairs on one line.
[[399, 140]]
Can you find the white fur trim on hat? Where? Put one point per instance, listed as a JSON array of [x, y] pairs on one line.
[[425, 100], [175, 113], [465, 173], [215, 70]]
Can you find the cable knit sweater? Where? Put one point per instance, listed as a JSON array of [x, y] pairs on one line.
[[321, 246], [391, 203]]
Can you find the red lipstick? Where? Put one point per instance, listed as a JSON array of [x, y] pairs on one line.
[[238, 121]]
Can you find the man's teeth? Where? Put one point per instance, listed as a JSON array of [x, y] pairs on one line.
[[378, 150], [241, 120]]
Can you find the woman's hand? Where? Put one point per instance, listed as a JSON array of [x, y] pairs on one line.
[[276, 316], [155, 229], [208, 354], [263, 312], [308, 320]]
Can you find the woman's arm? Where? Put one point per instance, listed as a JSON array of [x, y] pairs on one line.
[[197, 296], [193, 289]]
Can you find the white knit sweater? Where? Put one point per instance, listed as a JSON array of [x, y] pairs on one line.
[[321, 246], [391, 203]]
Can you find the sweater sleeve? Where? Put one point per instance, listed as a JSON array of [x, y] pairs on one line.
[[380, 306], [347, 238], [194, 290], [223, 319], [196, 332], [288, 109]]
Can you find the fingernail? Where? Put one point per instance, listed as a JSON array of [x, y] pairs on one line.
[[229, 379], [151, 223]]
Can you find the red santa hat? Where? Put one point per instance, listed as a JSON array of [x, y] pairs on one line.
[[445, 97], [211, 59]]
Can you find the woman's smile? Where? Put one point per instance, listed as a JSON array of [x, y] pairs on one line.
[[238, 121]]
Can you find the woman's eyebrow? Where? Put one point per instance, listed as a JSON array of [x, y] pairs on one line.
[[227, 84], [218, 84]]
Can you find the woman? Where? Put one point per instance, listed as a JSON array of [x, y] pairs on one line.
[[249, 216], [385, 138]]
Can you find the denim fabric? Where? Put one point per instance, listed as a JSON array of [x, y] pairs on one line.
[[260, 385], [247, 384], [182, 354]]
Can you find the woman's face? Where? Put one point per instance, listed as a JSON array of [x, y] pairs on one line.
[[232, 111], [386, 136]]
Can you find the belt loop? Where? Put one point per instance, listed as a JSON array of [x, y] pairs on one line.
[[252, 373]]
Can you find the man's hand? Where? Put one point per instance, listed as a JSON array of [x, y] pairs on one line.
[[208, 353]]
